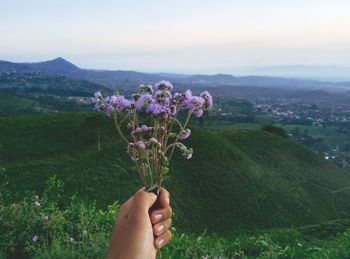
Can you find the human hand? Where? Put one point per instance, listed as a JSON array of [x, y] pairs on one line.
[[138, 233]]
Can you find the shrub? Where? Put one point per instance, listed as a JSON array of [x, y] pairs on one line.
[[39, 226]]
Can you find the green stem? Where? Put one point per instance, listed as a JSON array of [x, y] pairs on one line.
[[149, 169], [118, 128], [179, 123], [178, 135], [171, 126], [172, 145], [141, 173]]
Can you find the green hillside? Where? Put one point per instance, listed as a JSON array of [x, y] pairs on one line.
[[237, 180], [27, 104], [12, 105]]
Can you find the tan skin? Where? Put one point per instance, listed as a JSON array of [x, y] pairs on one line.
[[138, 233]]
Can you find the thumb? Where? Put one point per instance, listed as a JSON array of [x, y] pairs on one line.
[[164, 198], [144, 200]]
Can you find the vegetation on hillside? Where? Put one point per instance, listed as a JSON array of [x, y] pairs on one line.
[[27, 104], [29, 83], [237, 180], [41, 227]]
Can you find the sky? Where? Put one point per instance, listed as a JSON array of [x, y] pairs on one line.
[[180, 36]]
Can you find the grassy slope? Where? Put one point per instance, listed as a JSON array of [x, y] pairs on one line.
[[241, 179], [11, 105]]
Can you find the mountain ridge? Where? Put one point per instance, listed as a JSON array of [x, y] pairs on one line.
[[119, 78], [314, 72]]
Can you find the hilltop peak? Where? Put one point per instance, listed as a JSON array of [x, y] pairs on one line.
[[60, 62], [55, 66], [60, 59]]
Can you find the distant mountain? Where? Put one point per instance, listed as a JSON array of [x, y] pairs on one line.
[[55, 66], [60, 66], [218, 79], [128, 79], [328, 73]]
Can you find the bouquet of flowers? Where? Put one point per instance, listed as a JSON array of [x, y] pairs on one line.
[[154, 130]]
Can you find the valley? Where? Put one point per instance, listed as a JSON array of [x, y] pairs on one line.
[[270, 162]]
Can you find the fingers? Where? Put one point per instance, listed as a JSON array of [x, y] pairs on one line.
[[164, 198], [160, 228], [165, 212], [161, 215], [163, 239]]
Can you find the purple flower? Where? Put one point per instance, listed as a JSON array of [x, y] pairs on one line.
[[140, 144], [178, 97], [163, 85], [208, 99], [108, 106], [157, 109], [144, 100], [97, 95], [198, 113], [141, 130], [166, 102], [173, 110], [97, 101], [188, 94], [35, 238], [46, 217], [99, 106], [159, 94], [161, 106], [185, 134], [135, 150], [109, 109], [192, 103], [120, 103]]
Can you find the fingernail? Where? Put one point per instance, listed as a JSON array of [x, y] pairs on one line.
[[160, 242], [160, 227], [158, 216]]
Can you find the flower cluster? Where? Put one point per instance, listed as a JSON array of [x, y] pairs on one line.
[[152, 146]]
